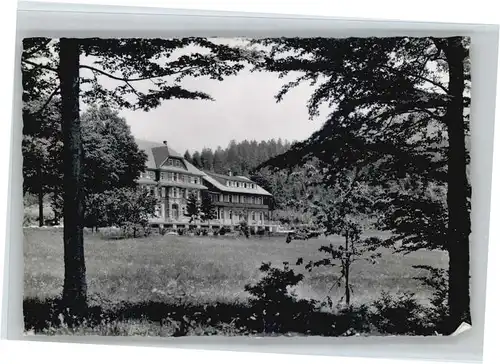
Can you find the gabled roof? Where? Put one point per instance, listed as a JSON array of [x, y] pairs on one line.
[[158, 153], [219, 182], [223, 178]]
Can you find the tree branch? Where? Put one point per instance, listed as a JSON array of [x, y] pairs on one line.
[[47, 102], [133, 89], [127, 80], [39, 65], [417, 76]]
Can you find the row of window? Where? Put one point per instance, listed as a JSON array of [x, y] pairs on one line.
[[172, 177], [240, 216], [241, 184], [258, 200], [148, 175], [177, 192], [174, 192], [174, 213], [179, 177], [175, 163]]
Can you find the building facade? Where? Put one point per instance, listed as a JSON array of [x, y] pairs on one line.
[[172, 179], [237, 198]]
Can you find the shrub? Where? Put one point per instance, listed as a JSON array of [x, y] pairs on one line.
[[273, 302], [400, 315], [244, 228], [438, 281]]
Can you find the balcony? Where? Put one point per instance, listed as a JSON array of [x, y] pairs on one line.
[[181, 184], [241, 205]]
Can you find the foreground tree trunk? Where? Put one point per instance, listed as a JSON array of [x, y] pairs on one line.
[[458, 191], [346, 273], [40, 197], [75, 285]]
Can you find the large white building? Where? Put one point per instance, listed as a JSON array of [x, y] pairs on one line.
[[171, 178]]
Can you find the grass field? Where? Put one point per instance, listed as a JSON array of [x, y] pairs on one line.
[[206, 269]]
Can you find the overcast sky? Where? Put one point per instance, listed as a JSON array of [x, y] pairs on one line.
[[244, 108]]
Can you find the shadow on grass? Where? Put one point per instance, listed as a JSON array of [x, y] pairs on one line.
[[42, 316]]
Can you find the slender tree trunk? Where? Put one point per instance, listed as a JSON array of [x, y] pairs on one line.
[[75, 285], [346, 273], [40, 197], [458, 191]]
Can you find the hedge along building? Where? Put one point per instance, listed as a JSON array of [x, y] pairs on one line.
[[171, 178]]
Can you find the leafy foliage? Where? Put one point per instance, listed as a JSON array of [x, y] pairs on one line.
[[130, 208], [274, 302], [41, 148], [438, 281], [244, 228], [400, 315], [398, 106], [110, 150]]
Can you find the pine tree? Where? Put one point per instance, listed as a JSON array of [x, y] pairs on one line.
[[207, 159], [219, 161], [193, 208], [187, 156], [197, 160], [207, 208]]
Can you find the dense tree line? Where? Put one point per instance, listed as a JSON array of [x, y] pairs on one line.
[[240, 158]]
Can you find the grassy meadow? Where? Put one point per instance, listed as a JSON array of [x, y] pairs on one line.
[[203, 269]]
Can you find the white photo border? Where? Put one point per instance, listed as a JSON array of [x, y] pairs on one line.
[[56, 20]]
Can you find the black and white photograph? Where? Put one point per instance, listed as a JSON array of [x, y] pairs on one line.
[[257, 187]]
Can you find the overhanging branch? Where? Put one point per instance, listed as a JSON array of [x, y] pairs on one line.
[[38, 65], [127, 80], [47, 102]]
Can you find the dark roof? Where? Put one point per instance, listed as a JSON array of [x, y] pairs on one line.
[[222, 178], [158, 153], [219, 182]]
